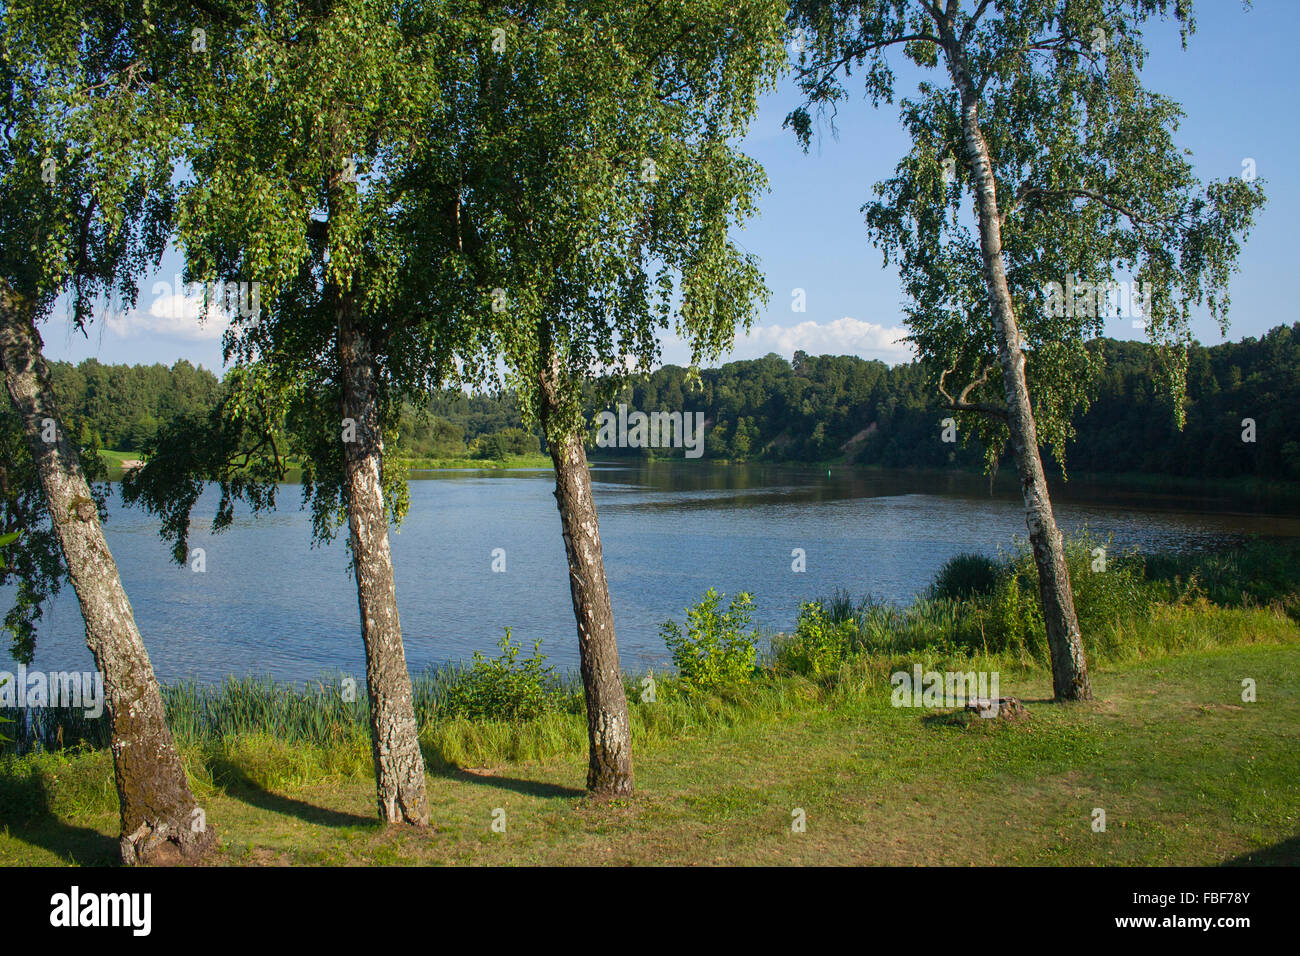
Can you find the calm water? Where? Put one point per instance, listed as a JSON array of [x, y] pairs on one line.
[[268, 603]]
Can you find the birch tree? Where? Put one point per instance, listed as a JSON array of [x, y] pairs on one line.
[[601, 182], [350, 279], [1040, 163], [85, 153]]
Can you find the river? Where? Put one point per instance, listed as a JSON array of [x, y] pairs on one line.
[[268, 603]]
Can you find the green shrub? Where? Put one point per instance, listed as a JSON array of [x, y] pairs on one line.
[[502, 688], [1109, 589], [966, 576], [1258, 572], [1011, 618], [839, 607], [1110, 593], [717, 649], [821, 641], [927, 621], [504, 443]]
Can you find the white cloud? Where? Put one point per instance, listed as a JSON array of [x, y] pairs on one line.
[[845, 336], [173, 315]]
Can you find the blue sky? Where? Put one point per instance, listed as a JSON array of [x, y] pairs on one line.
[[1236, 84]]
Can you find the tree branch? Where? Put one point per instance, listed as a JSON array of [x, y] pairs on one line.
[[858, 52], [1026, 192], [960, 404]]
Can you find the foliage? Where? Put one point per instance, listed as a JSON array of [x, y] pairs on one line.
[[990, 606], [122, 407], [32, 570], [86, 150], [1003, 615], [1128, 428], [502, 688], [85, 197], [820, 408], [820, 643], [1089, 184], [966, 575], [1156, 604], [1105, 594], [126, 407], [5, 541], [827, 407], [603, 186], [926, 622], [304, 189], [1258, 573], [717, 648], [505, 443], [317, 712]]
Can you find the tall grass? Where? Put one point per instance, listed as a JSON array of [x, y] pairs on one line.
[[1257, 573], [988, 605], [323, 711]]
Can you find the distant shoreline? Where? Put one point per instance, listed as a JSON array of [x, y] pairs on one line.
[[118, 461]]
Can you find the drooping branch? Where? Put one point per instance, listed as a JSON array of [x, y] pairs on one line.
[[1027, 192], [856, 51], [129, 72]]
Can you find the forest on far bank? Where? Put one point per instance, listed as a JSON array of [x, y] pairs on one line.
[[814, 409]]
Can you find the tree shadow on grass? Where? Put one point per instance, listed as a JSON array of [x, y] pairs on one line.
[[239, 786], [529, 788], [946, 718], [1286, 853], [26, 814]]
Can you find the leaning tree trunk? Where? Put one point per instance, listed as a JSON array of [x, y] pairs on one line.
[[1069, 667], [394, 734], [160, 821], [609, 767]]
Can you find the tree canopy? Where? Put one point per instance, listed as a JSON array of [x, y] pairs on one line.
[[1092, 187]]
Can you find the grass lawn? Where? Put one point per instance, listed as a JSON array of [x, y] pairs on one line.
[[481, 464], [113, 460], [1186, 772]]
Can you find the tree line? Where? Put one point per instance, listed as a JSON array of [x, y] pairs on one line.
[[812, 410], [519, 196], [848, 409], [123, 407]]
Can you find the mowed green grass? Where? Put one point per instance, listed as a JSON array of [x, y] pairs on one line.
[[1186, 772], [113, 460]]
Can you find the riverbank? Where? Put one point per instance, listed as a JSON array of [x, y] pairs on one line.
[[1188, 746], [1243, 489], [1186, 772], [476, 464]]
